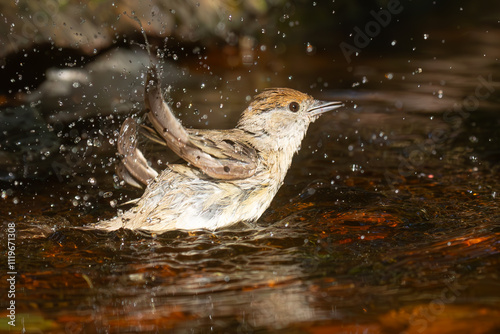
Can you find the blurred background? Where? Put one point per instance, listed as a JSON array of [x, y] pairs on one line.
[[71, 61], [388, 221]]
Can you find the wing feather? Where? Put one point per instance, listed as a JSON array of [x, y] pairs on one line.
[[133, 164], [223, 158]]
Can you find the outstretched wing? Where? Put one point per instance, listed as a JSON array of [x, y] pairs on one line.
[[219, 157], [133, 166]]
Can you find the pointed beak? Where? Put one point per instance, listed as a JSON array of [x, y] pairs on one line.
[[320, 107]]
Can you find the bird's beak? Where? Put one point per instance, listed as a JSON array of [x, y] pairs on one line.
[[320, 107]]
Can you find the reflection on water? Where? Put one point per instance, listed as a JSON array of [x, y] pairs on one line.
[[388, 222]]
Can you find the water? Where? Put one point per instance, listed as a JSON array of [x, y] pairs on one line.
[[388, 220]]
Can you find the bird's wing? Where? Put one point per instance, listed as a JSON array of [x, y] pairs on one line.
[[218, 157], [237, 158], [151, 134], [133, 166]]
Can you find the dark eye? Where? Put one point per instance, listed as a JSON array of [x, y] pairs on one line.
[[294, 106]]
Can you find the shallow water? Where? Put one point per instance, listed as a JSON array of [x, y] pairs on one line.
[[388, 220]]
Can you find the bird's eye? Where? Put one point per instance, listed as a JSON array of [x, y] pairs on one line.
[[294, 106]]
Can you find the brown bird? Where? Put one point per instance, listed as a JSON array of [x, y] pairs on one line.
[[231, 176]]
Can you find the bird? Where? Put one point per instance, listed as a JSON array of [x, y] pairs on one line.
[[229, 175]]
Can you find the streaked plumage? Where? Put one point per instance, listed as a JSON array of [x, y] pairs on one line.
[[232, 175]]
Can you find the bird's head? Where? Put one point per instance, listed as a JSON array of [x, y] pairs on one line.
[[279, 117]]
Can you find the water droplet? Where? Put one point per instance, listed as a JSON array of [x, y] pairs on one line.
[[310, 48], [92, 181], [426, 36], [394, 42], [355, 168]]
